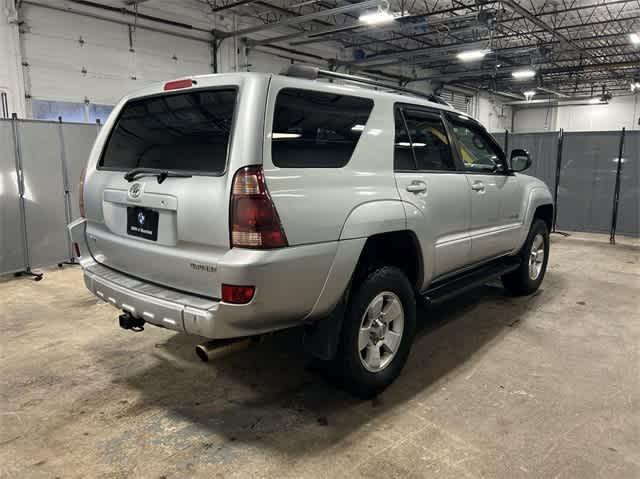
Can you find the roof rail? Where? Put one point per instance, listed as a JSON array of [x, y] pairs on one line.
[[315, 73]]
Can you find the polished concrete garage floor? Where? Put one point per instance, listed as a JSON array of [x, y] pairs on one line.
[[545, 386]]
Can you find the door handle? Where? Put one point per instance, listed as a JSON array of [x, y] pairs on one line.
[[478, 186], [416, 187]]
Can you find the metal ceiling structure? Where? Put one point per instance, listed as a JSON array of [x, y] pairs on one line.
[[576, 47]]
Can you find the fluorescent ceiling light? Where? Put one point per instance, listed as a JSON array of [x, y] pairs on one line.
[[379, 16], [523, 74], [635, 38], [357, 128], [635, 86], [415, 145], [595, 101], [471, 55], [282, 136]]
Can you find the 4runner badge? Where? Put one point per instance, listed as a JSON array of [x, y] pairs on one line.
[[135, 190]]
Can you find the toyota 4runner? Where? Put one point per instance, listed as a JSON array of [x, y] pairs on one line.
[[233, 205]]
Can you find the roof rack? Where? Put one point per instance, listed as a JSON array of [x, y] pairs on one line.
[[315, 73]]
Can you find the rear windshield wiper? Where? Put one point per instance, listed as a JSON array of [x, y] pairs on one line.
[[162, 175]]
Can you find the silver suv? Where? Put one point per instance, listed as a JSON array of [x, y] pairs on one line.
[[234, 205]]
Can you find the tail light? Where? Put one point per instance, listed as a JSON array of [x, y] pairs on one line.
[[237, 294], [81, 191], [254, 221]]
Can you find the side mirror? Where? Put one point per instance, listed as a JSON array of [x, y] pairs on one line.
[[520, 160]]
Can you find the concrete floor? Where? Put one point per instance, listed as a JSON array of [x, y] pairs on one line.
[[545, 386]]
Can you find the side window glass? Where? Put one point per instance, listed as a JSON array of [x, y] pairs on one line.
[[477, 151], [313, 129], [402, 155], [429, 140]]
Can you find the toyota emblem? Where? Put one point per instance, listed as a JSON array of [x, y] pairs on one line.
[[135, 190]]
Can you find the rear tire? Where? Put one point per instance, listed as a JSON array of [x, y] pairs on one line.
[[377, 332], [534, 256]]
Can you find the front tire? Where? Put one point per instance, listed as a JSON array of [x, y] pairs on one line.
[[534, 257], [377, 332]]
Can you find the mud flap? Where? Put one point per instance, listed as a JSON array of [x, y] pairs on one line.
[[321, 338]]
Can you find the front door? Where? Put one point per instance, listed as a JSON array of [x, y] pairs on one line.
[[436, 196], [495, 193]]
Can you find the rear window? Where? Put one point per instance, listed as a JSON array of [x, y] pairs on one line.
[[316, 129], [182, 131]]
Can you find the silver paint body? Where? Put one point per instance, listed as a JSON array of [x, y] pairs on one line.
[[327, 215]]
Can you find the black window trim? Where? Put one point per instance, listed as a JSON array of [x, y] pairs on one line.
[[400, 107], [505, 172], [316, 90], [234, 118]]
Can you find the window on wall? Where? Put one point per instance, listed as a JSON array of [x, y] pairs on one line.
[[75, 112], [459, 101], [314, 129]]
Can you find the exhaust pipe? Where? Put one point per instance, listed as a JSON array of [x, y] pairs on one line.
[[221, 347]]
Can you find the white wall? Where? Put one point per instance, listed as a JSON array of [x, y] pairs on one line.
[[492, 113], [528, 120], [11, 81], [72, 57], [621, 111]]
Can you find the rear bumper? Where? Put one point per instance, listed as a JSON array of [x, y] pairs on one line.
[[156, 305], [290, 288]]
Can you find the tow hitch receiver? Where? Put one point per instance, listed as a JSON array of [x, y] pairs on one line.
[[127, 321]]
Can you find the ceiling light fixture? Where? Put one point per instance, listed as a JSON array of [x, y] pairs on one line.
[[635, 85], [471, 55], [635, 38], [529, 94], [379, 16], [595, 101], [520, 74], [285, 136]]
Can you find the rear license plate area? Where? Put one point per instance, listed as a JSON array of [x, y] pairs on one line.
[[142, 222]]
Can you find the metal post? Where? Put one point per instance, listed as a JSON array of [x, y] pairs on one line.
[[616, 193], [23, 213], [67, 192], [506, 144], [557, 185]]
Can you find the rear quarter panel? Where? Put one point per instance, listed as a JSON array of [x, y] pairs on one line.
[[315, 203]]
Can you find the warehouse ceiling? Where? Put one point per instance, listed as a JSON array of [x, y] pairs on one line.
[[576, 48]]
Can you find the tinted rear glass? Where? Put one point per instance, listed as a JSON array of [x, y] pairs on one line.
[[316, 129], [182, 131]]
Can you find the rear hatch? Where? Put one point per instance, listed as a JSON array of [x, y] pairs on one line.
[[167, 220]]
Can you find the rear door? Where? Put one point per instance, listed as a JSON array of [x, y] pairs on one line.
[[172, 231], [427, 180], [495, 193]]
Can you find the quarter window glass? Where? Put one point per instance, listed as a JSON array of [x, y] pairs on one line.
[[402, 155], [477, 150], [316, 129], [428, 140]]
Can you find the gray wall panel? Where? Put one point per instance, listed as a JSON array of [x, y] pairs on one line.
[[78, 140], [44, 193], [11, 241], [543, 148], [587, 181], [629, 203]]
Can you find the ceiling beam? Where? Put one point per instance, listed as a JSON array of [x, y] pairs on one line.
[[304, 18]]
